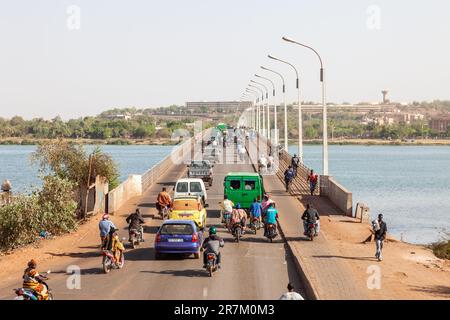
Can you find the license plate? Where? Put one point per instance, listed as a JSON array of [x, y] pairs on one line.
[[185, 214], [175, 240]]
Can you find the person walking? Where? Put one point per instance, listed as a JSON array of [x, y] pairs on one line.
[[288, 176], [312, 179], [295, 162], [380, 229], [291, 294]]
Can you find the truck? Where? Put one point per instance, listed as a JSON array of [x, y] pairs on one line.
[[201, 169]]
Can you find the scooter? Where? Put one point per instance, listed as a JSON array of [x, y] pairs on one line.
[[237, 231], [30, 294], [271, 232], [135, 237], [211, 263], [114, 258], [255, 225]]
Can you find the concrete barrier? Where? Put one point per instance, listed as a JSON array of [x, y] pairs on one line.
[[340, 196], [131, 187]]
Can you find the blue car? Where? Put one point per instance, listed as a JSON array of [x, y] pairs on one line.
[[178, 236]]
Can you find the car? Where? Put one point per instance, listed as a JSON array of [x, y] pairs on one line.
[[190, 187], [243, 187], [188, 208], [201, 169], [178, 237]]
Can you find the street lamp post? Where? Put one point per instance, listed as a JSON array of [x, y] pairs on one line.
[[258, 109], [268, 110], [300, 120], [324, 106], [262, 125]]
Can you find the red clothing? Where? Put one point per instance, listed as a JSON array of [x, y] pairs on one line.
[[312, 178]]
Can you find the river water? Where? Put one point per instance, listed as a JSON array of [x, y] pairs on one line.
[[410, 185]]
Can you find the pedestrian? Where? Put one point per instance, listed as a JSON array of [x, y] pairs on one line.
[[288, 176], [312, 179], [380, 229], [291, 294], [295, 162]]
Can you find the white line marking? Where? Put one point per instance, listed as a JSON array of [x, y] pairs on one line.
[[205, 292]]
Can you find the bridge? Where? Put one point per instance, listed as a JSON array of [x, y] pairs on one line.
[[251, 269]]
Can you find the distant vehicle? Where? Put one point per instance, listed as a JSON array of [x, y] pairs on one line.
[[190, 187], [222, 127], [188, 208], [179, 237], [201, 169], [243, 187], [211, 154]]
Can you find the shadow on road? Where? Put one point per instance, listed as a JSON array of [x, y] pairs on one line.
[[181, 273], [213, 213], [140, 254], [92, 271], [90, 254]]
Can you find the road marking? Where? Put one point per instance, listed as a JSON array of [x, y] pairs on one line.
[[205, 292]]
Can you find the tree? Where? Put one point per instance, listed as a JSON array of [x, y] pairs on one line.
[[70, 161]]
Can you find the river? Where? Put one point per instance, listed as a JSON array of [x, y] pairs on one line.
[[410, 185]]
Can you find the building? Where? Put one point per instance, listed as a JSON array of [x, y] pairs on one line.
[[215, 105], [440, 123]]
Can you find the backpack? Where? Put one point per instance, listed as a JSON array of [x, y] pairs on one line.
[[375, 225]]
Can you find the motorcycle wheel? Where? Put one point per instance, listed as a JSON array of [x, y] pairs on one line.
[[271, 239], [210, 270], [106, 264], [50, 296], [238, 235], [311, 236]]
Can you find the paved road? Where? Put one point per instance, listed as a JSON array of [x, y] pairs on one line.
[[252, 269]]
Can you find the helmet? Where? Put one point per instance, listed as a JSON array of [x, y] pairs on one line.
[[238, 206], [105, 216], [212, 230]]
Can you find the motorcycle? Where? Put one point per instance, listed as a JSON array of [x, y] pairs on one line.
[[30, 294], [237, 231], [211, 263], [311, 231], [255, 225], [114, 258], [271, 232], [135, 237]]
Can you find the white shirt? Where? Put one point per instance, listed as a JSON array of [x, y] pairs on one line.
[[291, 296], [263, 161]]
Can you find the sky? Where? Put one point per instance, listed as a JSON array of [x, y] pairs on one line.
[[80, 57]]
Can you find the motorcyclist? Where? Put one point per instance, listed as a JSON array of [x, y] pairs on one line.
[[163, 199], [266, 201], [105, 226], [227, 206], [212, 244], [256, 210], [135, 222], [33, 280], [270, 217], [311, 215], [238, 215]]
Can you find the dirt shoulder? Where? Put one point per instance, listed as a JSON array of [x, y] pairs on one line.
[[407, 271]]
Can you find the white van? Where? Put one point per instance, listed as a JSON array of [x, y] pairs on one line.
[[190, 187]]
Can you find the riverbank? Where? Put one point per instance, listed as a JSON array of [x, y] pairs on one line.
[[32, 141], [379, 142]]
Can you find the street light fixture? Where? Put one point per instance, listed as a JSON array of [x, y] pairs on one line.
[[285, 111], [268, 104], [262, 126], [300, 120], [324, 106], [258, 107]]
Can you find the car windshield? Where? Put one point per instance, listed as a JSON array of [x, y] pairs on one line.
[[184, 205], [170, 229], [182, 187], [196, 187]]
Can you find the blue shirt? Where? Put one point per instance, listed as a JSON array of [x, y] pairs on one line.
[[271, 215], [105, 226], [255, 209]]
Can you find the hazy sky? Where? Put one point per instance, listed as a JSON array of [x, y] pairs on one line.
[[157, 53]]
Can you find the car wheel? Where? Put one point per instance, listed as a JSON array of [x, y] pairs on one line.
[[157, 256]]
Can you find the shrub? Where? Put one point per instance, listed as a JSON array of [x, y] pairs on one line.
[[441, 249], [50, 209]]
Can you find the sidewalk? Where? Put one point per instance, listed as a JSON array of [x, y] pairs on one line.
[[326, 275]]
